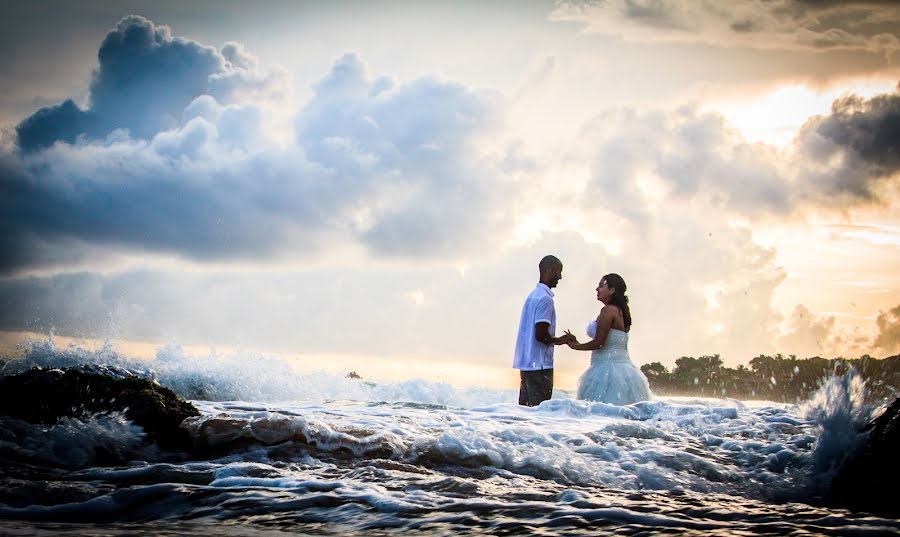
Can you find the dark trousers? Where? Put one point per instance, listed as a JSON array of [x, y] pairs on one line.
[[535, 386]]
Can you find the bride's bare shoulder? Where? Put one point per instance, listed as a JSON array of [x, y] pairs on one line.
[[608, 310], [613, 315]]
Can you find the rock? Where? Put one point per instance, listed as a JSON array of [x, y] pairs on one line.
[[46, 395], [868, 481]]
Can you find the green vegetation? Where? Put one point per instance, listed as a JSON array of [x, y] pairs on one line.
[[773, 378]]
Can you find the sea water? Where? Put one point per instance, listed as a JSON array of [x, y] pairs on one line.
[[320, 454]]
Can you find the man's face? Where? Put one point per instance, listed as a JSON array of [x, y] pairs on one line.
[[554, 274]]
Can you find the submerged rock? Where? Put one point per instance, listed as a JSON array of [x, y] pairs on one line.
[[868, 482], [47, 395]]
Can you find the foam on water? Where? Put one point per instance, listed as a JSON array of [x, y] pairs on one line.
[[316, 451], [74, 442], [649, 446]]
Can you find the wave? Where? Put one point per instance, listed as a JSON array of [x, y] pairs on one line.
[[245, 376], [840, 413], [107, 438], [253, 402]]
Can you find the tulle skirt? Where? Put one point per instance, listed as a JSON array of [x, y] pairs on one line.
[[617, 382]]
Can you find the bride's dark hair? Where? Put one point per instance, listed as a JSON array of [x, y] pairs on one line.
[[618, 298]]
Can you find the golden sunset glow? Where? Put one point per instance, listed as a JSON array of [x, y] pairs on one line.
[[774, 116]]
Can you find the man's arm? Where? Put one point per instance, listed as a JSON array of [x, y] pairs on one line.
[[542, 334]]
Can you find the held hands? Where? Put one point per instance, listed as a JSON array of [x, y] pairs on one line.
[[569, 339]]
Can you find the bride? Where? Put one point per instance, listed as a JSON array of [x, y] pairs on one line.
[[611, 378]]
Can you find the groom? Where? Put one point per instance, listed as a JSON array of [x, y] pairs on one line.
[[535, 341]]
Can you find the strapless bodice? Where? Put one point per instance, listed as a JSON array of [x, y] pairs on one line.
[[614, 348]]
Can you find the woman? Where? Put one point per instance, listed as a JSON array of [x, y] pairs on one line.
[[611, 378]]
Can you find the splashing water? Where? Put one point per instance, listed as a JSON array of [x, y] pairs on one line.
[[320, 453], [840, 414]]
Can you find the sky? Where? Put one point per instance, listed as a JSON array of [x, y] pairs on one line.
[[369, 186]]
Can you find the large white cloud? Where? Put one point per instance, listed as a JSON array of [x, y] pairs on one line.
[[411, 148], [388, 165]]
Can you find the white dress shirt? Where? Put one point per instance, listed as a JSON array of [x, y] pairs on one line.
[[531, 354]]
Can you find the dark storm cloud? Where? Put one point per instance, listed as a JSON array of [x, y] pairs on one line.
[[775, 24], [864, 134], [142, 197], [144, 80], [871, 129]]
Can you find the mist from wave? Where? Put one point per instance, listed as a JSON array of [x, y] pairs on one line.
[[249, 376]]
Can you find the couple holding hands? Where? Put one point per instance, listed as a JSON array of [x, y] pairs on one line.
[[611, 377]]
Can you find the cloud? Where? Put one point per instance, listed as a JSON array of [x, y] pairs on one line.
[[704, 284], [270, 309], [195, 171], [778, 24], [808, 335], [144, 80], [388, 165], [639, 159], [412, 146], [679, 192], [200, 192], [243, 80], [888, 337], [854, 148]]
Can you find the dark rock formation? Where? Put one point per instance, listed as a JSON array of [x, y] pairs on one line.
[[868, 481], [46, 395]]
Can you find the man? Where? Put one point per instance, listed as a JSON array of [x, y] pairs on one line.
[[535, 342]]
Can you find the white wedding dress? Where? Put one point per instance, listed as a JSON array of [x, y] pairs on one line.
[[612, 378]]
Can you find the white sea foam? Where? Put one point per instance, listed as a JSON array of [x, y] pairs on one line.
[[282, 444], [73, 442], [712, 447]]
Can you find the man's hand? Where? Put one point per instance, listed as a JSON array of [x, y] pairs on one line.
[[542, 334], [570, 339]]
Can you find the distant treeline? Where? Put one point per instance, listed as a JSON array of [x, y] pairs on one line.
[[773, 378]]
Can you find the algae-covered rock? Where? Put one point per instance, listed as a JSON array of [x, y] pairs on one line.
[[46, 395]]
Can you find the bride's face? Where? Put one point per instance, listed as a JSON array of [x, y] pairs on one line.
[[604, 292]]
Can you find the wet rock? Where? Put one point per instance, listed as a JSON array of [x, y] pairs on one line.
[[868, 481], [46, 395]]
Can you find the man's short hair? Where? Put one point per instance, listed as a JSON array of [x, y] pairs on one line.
[[549, 261]]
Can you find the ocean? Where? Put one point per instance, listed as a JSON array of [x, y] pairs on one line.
[[321, 454]]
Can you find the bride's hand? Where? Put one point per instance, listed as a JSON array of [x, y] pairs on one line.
[[570, 339]]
